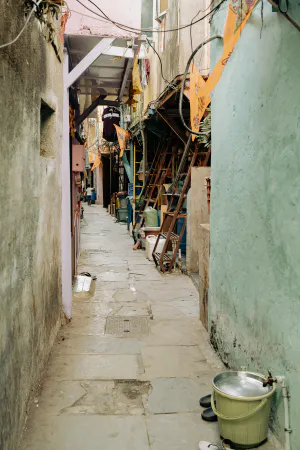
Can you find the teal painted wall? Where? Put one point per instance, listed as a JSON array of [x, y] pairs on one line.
[[255, 205]]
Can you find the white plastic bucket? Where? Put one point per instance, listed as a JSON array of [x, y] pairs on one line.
[[150, 243]]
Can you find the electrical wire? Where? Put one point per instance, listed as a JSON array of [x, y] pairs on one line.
[[141, 30], [184, 79], [192, 21], [25, 25], [161, 65]]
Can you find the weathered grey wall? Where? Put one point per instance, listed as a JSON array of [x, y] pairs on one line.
[[255, 206], [197, 215], [30, 292]]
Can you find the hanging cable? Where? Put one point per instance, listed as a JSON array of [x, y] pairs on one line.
[[25, 25], [142, 30], [161, 65], [192, 21], [184, 80]]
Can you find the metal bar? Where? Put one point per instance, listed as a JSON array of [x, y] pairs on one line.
[[99, 101], [66, 225], [115, 51], [89, 110], [85, 63]]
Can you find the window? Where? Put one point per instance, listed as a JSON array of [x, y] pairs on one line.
[[47, 130]]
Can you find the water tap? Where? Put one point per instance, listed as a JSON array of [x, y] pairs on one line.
[[269, 381]]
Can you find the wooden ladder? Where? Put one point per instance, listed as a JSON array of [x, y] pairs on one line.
[[165, 260], [157, 178]]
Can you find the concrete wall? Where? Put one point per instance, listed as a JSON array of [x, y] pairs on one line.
[[255, 204], [127, 12], [197, 214], [30, 276], [177, 48]]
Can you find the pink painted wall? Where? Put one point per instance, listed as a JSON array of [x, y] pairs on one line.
[[99, 186], [127, 12]]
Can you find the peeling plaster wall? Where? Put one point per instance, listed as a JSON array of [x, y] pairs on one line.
[[127, 12], [30, 277], [255, 204], [177, 48]]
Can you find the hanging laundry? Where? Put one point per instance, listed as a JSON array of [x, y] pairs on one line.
[[136, 79], [147, 65], [144, 73], [110, 117]]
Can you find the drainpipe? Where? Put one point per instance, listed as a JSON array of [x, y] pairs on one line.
[[287, 428], [285, 396], [66, 226]]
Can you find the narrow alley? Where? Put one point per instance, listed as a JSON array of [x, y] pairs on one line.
[[150, 219], [107, 389]]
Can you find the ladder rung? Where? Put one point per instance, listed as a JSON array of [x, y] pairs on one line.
[[173, 237], [165, 257], [172, 214], [176, 195]]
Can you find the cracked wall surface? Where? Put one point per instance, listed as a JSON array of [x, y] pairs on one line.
[[30, 215], [255, 208]]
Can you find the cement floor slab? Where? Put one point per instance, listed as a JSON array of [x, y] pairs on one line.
[[179, 431], [176, 395], [78, 432], [94, 367], [107, 345], [174, 332], [172, 361], [176, 309]]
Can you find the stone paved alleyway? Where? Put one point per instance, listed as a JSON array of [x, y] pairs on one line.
[[125, 391]]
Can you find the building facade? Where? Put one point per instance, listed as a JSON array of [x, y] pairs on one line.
[[255, 212], [31, 133]]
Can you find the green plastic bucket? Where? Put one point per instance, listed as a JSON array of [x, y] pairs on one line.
[[243, 407]]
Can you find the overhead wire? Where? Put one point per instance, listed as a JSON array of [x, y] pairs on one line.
[[192, 21], [141, 30], [24, 27], [161, 65]]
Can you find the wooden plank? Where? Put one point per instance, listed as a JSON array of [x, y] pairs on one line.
[[173, 125]]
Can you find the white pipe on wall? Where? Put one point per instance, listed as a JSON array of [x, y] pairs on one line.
[[281, 380], [66, 239]]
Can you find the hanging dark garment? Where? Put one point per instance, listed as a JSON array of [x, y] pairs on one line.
[[110, 117]]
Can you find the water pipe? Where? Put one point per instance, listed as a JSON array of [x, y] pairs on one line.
[[285, 395]]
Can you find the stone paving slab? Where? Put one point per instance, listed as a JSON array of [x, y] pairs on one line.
[[179, 431], [95, 367], [107, 345], [176, 395], [175, 332], [172, 361], [176, 309], [80, 432]]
